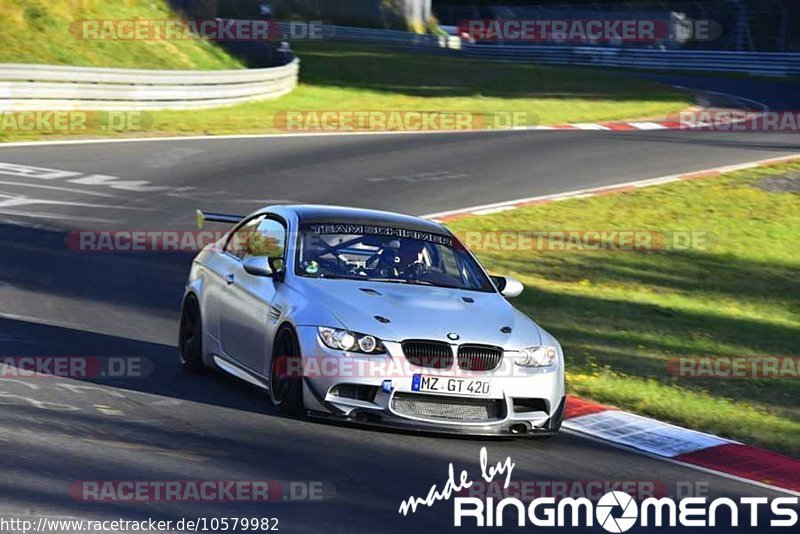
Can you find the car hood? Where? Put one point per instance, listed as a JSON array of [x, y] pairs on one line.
[[421, 312]]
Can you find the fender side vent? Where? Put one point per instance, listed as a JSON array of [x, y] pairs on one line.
[[369, 291]]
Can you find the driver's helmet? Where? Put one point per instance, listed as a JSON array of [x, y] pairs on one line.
[[387, 258]]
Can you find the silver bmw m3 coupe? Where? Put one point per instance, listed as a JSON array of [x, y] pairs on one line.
[[372, 317]]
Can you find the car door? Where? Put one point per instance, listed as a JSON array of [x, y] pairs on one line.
[[246, 299]]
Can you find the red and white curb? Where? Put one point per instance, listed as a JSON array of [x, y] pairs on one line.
[[693, 123], [616, 126], [488, 209], [683, 446]]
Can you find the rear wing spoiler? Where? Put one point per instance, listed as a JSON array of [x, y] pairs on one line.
[[202, 217]]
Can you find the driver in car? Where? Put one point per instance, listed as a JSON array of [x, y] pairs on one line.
[[400, 259]]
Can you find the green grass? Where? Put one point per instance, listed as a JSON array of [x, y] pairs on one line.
[[38, 31], [621, 315], [346, 77]]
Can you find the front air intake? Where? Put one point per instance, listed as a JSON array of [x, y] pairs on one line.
[[447, 408]]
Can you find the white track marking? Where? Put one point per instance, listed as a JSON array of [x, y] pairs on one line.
[[108, 410], [96, 181], [16, 201], [45, 322], [44, 405], [239, 136], [494, 210], [588, 126], [139, 186], [647, 125], [589, 192], [166, 402], [58, 216], [56, 188], [75, 388], [29, 171], [21, 382]]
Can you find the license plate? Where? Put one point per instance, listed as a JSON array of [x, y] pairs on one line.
[[469, 387]]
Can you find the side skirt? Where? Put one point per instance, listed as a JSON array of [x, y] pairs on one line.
[[237, 371]]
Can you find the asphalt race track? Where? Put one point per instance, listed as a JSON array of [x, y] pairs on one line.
[[169, 426]]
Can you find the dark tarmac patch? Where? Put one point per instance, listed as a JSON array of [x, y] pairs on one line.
[[788, 183]]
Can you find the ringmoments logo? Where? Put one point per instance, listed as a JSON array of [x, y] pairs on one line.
[[615, 511], [626, 514]]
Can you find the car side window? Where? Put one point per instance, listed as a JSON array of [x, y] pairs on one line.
[[239, 241], [269, 241], [260, 236]]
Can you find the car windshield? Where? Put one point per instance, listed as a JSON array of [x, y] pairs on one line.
[[385, 254]]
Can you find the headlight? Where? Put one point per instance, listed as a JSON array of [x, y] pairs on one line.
[[537, 356], [350, 341]]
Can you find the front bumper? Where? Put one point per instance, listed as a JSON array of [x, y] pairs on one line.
[[522, 402], [509, 428]]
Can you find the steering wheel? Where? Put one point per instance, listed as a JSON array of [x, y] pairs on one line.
[[415, 271]]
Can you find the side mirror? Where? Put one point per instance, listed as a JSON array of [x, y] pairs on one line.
[[257, 266], [507, 286]]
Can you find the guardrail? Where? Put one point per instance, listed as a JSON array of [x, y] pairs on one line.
[[35, 87], [760, 63]]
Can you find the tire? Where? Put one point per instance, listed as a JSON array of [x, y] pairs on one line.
[[285, 390], [190, 340]]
